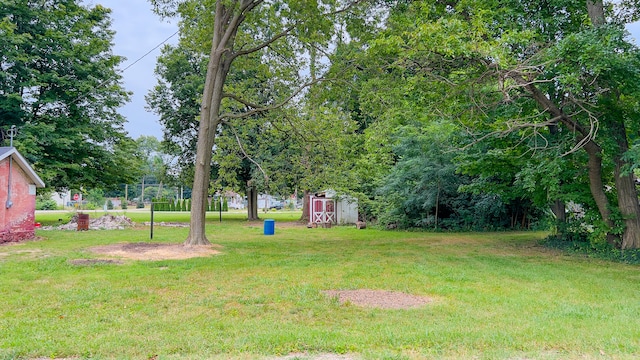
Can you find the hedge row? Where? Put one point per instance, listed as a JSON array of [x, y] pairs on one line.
[[185, 205]]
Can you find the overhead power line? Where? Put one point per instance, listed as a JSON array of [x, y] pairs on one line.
[[120, 72], [150, 51]]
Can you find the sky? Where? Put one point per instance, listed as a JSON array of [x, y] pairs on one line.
[[138, 31]]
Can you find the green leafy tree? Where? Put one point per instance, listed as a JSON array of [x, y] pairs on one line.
[[95, 197], [537, 75], [60, 86], [236, 34]]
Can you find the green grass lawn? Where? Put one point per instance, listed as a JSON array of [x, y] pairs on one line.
[[144, 215], [496, 296]]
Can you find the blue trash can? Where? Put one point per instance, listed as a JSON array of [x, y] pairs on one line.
[[269, 227]]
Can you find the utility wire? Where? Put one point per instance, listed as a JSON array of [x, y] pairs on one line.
[[150, 51], [120, 72]]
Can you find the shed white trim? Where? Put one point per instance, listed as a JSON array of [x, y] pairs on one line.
[[5, 152]]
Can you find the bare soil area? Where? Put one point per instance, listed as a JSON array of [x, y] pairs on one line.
[[89, 262], [325, 356], [155, 251], [166, 223], [380, 299]]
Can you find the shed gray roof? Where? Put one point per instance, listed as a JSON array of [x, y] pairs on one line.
[[5, 152]]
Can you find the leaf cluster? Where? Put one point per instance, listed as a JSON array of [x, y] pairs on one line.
[[60, 86]]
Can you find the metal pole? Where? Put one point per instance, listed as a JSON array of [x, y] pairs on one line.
[[9, 203], [151, 236]]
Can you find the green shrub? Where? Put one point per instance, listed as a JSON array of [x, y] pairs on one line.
[[140, 205], [225, 205], [109, 204], [123, 203], [46, 204]]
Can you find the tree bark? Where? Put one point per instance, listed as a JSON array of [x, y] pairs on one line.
[[593, 150], [305, 207], [252, 203], [594, 153], [595, 8], [217, 70], [629, 208], [559, 209], [626, 191]]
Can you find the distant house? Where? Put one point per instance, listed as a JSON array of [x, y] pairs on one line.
[[266, 201], [234, 200], [328, 207], [18, 183]]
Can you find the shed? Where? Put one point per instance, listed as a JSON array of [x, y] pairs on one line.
[[328, 207], [18, 183]]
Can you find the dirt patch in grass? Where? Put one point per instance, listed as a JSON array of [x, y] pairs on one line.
[[380, 299], [155, 251], [25, 251], [325, 356], [89, 262], [167, 224]]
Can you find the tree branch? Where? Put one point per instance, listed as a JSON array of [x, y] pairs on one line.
[[264, 44], [288, 30], [240, 100], [235, 133], [261, 109]]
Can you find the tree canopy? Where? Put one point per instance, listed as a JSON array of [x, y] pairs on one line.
[[461, 114], [59, 85]]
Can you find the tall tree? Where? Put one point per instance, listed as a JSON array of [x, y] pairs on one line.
[[275, 32], [534, 71], [60, 86]]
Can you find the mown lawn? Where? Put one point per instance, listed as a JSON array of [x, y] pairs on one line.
[[496, 296]]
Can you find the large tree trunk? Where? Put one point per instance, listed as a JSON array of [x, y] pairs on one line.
[[252, 203], [594, 153], [558, 207], [593, 150], [625, 186], [305, 207], [629, 208], [626, 191], [217, 71], [559, 210]]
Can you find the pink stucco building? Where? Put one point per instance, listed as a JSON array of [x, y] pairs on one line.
[[18, 184]]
